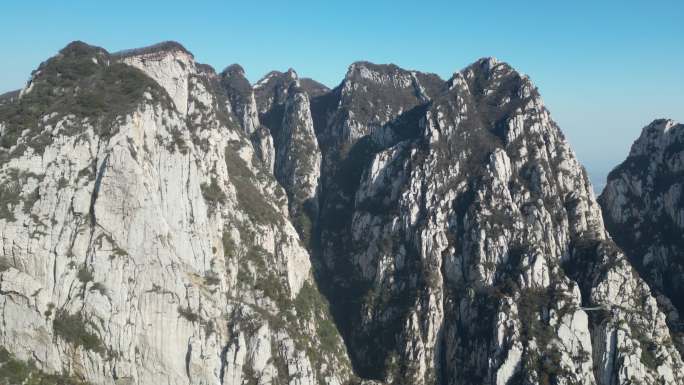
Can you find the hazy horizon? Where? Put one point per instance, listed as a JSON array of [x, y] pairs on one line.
[[604, 71]]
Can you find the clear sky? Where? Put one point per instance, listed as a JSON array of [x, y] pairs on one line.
[[604, 68]]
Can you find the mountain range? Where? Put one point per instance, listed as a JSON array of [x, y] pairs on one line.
[[164, 223]]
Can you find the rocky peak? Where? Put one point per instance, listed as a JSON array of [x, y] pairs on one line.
[[298, 160], [472, 243], [285, 109], [658, 136], [643, 207], [62, 64], [242, 103], [159, 49], [313, 88], [272, 89], [241, 97], [169, 64], [79, 48], [369, 97], [383, 74], [234, 70]]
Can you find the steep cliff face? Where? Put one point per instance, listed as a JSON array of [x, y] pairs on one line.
[[142, 240], [643, 207], [285, 109], [461, 242], [242, 103], [369, 97], [156, 216]]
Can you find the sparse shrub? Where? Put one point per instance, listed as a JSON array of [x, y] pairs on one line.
[[62, 183], [272, 288], [310, 305], [209, 328], [31, 200], [327, 335], [10, 196], [179, 142], [308, 300], [72, 329], [244, 276], [87, 172], [212, 193], [304, 227], [188, 314], [48, 312], [99, 287], [13, 371], [119, 252], [249, 197], [4, 264], [84, 274], [228, 245], [211, 279]]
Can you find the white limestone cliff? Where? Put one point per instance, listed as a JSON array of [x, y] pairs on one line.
[[160, 253]]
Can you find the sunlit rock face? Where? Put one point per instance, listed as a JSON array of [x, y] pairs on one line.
[[460, 241], [643, 207], [283, 100], [162, 223]]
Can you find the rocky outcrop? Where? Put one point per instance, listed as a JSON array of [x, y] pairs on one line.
[[461, 242], [142, 242], [284, 103], [241, 97], [369, 97], [643, 207], [272, 89], [242, 104], [298, 160]]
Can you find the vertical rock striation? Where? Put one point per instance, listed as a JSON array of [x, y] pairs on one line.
[[242, 103], [284, 103]]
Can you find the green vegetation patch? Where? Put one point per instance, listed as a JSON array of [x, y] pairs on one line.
[[310, 305], [83, 81], [188, 314], [13, 371], [84, 274], [72, 328], [533, 309], [249, 197], [4, 264], [212, 193], [649, 349], [10, 196]]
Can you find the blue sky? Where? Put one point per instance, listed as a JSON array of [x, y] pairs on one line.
[[605, 69]]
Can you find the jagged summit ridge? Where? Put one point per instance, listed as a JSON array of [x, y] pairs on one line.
[[163, 47]]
